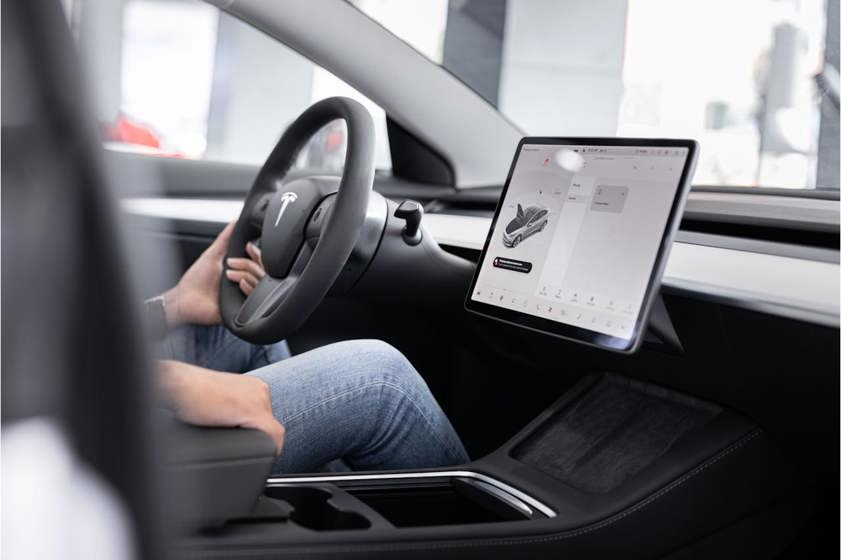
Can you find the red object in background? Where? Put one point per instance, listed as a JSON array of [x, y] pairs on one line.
[[127, 131], [130, 132], [335, 139]]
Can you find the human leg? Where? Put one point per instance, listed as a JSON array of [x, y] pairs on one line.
[[360, 401], [214, 347]]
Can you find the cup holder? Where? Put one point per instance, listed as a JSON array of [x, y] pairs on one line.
[[312, 508]]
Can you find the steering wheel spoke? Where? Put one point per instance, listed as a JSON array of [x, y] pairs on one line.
[[267, 294], [302, 260]]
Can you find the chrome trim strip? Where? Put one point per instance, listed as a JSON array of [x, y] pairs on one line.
[[499, 485], [500, 495]]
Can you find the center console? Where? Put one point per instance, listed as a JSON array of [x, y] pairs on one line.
[[615, 465]]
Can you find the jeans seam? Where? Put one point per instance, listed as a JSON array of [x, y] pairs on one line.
[[447, 446], [330, 399]]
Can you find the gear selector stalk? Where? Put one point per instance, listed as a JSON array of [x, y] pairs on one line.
[[412, 212]]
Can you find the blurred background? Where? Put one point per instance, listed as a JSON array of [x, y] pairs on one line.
[[180, 78]]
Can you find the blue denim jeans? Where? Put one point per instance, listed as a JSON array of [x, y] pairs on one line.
[[358, 401]]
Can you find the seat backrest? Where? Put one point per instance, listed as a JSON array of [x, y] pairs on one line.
[[71, 349]]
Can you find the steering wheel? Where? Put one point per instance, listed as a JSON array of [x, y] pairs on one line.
[[307, 226]]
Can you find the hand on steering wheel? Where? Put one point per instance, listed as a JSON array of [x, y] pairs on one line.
[[247, 273], [307, 227], [195, 299]]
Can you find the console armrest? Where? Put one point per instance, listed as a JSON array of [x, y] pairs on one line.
[[214, 474]]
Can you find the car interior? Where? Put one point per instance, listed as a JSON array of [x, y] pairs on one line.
[[710, 430]]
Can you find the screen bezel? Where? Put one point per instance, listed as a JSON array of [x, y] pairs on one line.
[[571, 332]]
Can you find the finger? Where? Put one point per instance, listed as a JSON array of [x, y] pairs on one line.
[[255, 253], [240, 276], [249, 272], [245, 287], [275, 430], [267, 424], [250, 279], [246, 265], [220, 244], [263, 418], [278, 434], [236, 275], [238, 263]]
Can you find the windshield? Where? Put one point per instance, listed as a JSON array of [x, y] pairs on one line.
[[747, 79]]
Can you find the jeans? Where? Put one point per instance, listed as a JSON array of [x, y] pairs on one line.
[[358, 401]]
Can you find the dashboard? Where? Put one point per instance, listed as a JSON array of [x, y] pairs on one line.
[[795, 282]]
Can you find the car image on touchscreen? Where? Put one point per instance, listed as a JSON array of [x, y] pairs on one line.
[[527, 222]]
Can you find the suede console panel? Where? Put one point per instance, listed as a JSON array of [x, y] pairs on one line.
[[615, 430]]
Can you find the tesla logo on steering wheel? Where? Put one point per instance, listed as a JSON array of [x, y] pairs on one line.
[[287, 198]]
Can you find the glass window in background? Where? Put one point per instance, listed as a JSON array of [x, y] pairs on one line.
[[180, 78], [740, 77]]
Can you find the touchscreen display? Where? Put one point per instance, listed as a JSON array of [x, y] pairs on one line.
[[578, 232]]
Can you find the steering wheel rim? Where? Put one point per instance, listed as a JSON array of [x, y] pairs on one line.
[[308, 227]]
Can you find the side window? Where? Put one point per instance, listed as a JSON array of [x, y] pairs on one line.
[[180, 78]]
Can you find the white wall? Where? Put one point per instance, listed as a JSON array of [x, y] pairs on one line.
[[562, 66], [262, 86]]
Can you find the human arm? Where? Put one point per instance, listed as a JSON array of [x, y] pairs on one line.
[[205, 397]]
